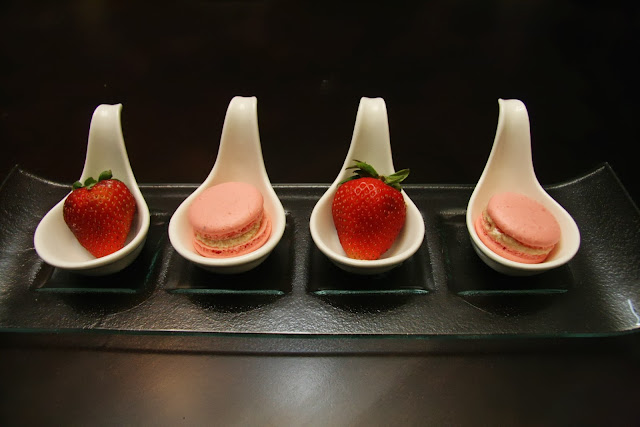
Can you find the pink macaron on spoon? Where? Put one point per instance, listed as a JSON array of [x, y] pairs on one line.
[[239, 160], [510, 169], [228, 220]]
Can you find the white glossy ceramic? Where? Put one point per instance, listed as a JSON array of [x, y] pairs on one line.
[[239, 159], [510, 168], [370, 143], [53, 240]]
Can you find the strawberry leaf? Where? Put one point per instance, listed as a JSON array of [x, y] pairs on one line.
[[365, 170], [105, 175], [90, 182], [395, 179]]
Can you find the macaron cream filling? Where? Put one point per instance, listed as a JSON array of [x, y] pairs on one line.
[[240, 239], [507, 241]]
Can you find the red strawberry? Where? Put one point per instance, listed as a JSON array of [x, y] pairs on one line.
[[100, 214], [369, 211]]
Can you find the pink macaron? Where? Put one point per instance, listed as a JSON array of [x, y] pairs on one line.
[[518, 228], [229, 220]]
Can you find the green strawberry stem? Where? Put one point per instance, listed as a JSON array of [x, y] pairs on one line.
[[90, 182], [365, 170]]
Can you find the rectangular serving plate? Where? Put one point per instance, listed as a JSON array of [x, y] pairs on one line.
[[444, 290]]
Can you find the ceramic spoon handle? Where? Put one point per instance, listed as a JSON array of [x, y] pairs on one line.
[[510, 158], [240, 149], [106, 148], [370, 142]]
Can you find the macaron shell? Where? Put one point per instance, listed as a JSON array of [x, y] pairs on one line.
[[504, 251], [524, 219], [257, 241], [226, 210]]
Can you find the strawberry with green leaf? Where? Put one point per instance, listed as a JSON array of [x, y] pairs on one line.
[[100, 214], [369, 211]]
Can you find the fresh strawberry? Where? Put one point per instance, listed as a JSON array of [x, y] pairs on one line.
[[369, 211], [100, 213]]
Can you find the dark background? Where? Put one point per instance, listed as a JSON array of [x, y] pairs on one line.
[[440, 66]]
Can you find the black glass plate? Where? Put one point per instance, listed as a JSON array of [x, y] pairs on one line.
[[443, 290]]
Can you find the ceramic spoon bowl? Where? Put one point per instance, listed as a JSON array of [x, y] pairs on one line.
[[510, 168], [239, 159], [370, 143], [53, 240]]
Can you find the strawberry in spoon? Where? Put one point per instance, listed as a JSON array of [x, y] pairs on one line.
[[369, 211], [100, 214]]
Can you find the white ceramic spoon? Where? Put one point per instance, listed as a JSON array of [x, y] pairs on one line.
[[371, 144], [239, 159], [53, 240], [510, 168]]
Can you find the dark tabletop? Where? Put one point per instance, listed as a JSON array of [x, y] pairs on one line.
[[440, 66]]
